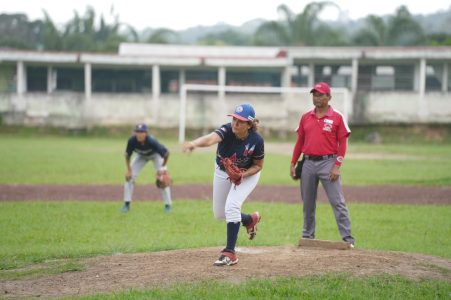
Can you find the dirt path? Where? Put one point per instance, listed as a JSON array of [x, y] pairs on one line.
[[146, 270], [290, 194]]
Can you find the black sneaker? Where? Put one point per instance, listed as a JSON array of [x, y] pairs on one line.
[[350, 241], [126, 207]]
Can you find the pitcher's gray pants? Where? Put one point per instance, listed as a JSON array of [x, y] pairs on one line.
[[312, 173], [138, 163]]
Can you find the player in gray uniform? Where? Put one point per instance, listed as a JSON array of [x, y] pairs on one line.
[[322, 137], [147, 148]]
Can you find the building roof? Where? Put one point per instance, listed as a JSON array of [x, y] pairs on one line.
[[131, 54], [12, 55], [369, 53], [227, 52]]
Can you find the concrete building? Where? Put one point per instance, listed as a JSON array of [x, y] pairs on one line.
[[142, 83]]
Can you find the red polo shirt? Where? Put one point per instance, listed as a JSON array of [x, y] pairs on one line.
[[323, 136]]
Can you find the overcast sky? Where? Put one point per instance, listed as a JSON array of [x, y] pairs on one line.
[[182, 14]]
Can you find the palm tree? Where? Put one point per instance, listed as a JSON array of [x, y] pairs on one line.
[[374, 34], [163, 36], [227, 37], [403, 30], [129, 31], [301, 29], [81, 33], [400, 30], [18, 32], [272, 33], [51, 38]]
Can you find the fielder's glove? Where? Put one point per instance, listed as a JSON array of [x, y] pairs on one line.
[[298, 169], [235, 173], [163, 179]]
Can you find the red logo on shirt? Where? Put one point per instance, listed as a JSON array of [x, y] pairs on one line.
[[327, 127], [248, 151]]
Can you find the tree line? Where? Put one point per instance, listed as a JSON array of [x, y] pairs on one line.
[[90, 32]]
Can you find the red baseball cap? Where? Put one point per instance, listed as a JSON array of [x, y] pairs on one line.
[[322, 88]]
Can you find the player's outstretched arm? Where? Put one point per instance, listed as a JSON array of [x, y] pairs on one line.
[[203, 141]]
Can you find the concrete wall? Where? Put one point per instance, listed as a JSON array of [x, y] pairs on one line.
[[407, 107], [203, 110], [206, 110], [59, 110]]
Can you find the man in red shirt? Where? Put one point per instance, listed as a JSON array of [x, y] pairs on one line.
[[322, 138]]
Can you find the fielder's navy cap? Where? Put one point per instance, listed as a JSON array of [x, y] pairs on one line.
[[244, 112], [141, 127]]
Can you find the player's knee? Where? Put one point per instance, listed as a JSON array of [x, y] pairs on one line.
[[233, 213]]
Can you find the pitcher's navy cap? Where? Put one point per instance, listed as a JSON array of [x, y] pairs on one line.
[[141, 127], [244, 112]]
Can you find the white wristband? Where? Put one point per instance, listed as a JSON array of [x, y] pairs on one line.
[[163, 168]]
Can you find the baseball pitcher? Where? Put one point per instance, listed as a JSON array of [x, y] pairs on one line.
[[239, 161]]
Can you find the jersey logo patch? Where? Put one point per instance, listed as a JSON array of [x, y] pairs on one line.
[[248, 150], [327, 127]]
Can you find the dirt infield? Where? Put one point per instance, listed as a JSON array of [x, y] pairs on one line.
[[367, 194], [158, 269]]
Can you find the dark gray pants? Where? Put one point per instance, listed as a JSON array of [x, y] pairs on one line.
[[312, 173]]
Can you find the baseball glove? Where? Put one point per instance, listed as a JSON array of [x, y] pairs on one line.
[[298, 169], [163, 179], [235, 173]]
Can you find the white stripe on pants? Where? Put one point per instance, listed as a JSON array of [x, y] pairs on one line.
[[138, 163], [228, 199]]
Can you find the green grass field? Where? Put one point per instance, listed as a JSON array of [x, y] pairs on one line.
[[35, 232], [88, 160], [332, 286]]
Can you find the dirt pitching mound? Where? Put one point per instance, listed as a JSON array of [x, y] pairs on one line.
[[146, 270]]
